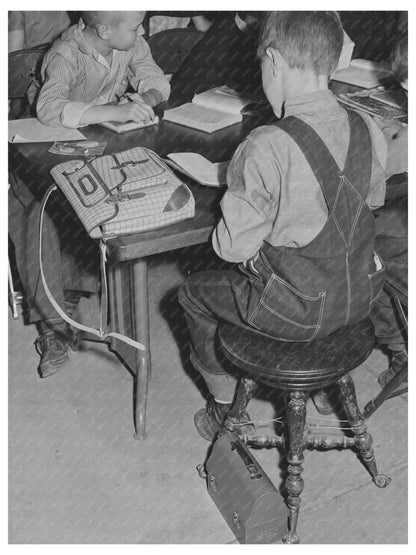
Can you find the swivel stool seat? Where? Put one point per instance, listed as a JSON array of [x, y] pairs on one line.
[[297, 369]]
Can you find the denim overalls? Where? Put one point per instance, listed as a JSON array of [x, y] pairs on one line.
[[305, 293]]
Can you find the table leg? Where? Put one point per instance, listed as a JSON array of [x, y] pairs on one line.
[[139, 306], [129, 311]]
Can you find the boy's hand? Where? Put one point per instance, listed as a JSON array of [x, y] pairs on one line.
[[137, 110], [152, 97], [391, 128]]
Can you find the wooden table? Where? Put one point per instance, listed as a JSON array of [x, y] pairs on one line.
[[127, 275]]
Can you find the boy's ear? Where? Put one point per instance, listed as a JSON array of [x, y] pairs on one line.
[[275, 58], [103, 31]]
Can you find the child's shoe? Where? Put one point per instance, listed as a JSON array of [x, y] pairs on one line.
[[53, 344], [398, 363], [208, 420], [322, 400]]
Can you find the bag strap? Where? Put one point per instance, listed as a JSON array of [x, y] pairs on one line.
[[101, 333]]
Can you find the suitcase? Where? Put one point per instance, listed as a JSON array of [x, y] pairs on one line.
[[244, 494]]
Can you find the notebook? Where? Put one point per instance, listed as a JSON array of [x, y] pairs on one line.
[[211, 110], [364, 73], [124, 126], [199, 168]]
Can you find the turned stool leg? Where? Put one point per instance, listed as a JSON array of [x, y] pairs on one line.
[[296, 416], [246, 388], [362, 438]]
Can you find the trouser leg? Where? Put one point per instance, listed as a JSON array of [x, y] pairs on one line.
[[69, 257], [388, 327], [207, 298]]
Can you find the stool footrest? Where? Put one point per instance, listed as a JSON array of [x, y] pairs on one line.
[[309, 441]]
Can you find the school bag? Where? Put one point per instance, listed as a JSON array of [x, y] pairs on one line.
[[118, 194]]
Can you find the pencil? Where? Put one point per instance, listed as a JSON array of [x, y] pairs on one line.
[[124, 95]]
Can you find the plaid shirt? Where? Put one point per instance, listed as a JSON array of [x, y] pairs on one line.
[[75, 77], [273, 195]]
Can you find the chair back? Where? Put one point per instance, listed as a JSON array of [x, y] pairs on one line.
[[24, 68], [170, 48]]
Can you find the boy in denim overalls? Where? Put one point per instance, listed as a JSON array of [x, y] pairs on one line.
[[296, 219]]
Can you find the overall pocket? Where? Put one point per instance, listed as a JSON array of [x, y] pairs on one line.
[[376, 279], [287, 313]]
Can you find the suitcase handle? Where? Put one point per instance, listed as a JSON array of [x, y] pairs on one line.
[[248, 461]]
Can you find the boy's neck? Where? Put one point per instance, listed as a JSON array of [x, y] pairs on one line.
[[97, 43], [305, 83]]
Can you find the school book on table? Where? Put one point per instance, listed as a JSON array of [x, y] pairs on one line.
[[199, 168], [211, 110], [364, 73]]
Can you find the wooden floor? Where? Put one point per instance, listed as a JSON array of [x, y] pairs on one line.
[[76, 474]]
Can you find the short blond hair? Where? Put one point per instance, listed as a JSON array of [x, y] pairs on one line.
[[306, 40], [94, 19]]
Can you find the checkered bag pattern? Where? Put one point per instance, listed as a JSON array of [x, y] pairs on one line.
[[123, 193]]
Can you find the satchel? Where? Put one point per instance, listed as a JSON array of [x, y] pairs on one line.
[[123, 193], [117, 194], [243, 493]]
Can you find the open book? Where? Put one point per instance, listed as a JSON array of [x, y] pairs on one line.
[[364, 73], [211, 110], [199, 168]]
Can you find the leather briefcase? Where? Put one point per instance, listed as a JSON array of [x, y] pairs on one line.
[[244, 494]]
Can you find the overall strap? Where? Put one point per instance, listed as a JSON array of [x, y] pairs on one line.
[[318, 156], [359, 159]]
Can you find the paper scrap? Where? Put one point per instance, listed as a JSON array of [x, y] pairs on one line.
[[31, 130]]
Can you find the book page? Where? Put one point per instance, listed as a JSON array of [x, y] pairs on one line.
[[200, 168], [222, 100], [200, 117]]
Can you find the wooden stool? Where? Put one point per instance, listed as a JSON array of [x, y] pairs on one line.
[[299, 368]]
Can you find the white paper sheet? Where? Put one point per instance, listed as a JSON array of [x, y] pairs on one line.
[[33, 131]]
